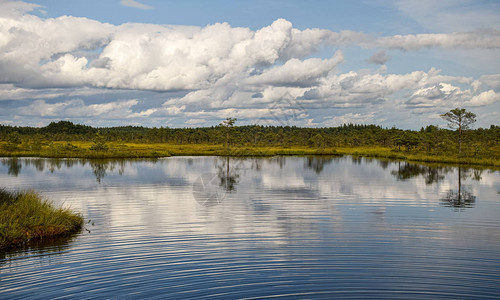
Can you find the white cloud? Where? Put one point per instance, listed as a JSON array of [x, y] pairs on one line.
[[78, 109], [485, 98], [16, 8], [354, 118], [135, 4], [272, 72], [145, 113], [174, 110], [253, 114], [297, 72], [481, 38], [70, 51], [443, 94], [491, 81], [37, 52], [10, 92], [447, 95], [195, 121], [354, 89], [304, 42]]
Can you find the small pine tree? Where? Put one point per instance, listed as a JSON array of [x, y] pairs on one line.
[[99, 142], [460, 119]]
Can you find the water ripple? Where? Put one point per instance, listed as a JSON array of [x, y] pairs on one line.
[[283, 232]]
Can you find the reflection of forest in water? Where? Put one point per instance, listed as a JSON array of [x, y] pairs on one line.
[[211, 188], [99, 167], [459, 198], [227, 171]]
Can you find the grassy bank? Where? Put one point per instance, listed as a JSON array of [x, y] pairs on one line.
[[25, 216], [380, 152], [155, 150]]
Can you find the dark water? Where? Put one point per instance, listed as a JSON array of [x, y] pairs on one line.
[[296, 227]]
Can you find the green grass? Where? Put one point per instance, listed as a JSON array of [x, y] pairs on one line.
[[25, 216]]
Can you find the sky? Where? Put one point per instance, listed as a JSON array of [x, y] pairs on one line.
[[195, 63]]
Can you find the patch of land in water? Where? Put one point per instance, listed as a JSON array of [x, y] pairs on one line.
[[26, 216]]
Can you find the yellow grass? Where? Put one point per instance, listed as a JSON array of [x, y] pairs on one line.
[[150, 150]]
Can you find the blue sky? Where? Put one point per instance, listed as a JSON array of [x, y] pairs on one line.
[[195, 63], [333, 15]]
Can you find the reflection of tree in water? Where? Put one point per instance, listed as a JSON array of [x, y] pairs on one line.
[[477, 175], [13, 164], [383, 163], [462, 198], [431, 174], [317, 163], [38, 163], [459, 199], [210, 189], [54, 163], [101, 167], [228, 176], [356, 160], [280, 160]]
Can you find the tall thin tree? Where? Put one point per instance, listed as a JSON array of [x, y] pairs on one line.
[[228, 125], [459, 119]]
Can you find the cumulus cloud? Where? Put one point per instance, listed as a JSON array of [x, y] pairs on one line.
[[70, 51], [32, 50], [222, 71], [354, 89], [447, 95], [485, 98], [297, 72], [438, 95], [135, 4]]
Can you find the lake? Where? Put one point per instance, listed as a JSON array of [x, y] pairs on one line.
[[293, 227]]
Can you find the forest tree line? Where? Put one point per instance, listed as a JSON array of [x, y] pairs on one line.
[[430, 139]]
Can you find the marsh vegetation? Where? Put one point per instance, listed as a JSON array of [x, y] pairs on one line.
[[26, 216], [432, 144]]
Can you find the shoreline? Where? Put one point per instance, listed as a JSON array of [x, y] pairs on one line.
[[82, 150]]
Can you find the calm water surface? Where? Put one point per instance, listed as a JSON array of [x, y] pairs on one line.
[[296, 227]]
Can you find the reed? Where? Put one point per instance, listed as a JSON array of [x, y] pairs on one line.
[[26, 216]]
